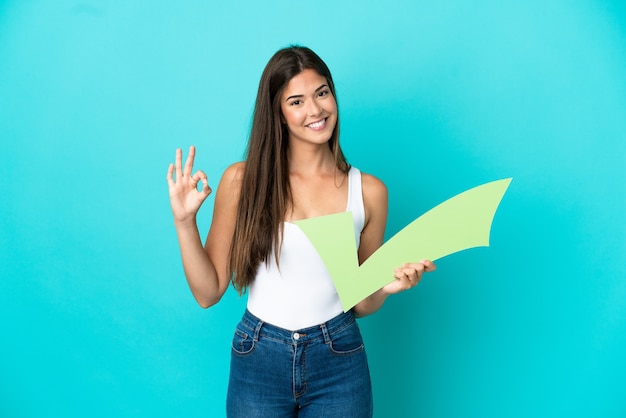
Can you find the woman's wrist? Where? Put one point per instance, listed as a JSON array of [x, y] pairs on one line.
[[188, 223]]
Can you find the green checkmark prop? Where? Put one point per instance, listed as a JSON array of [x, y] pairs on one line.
[[459, 223]]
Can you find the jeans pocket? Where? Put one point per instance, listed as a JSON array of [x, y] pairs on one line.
[[346, 341], [243, 343]]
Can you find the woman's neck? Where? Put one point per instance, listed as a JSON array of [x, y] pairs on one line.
[[306, 161]]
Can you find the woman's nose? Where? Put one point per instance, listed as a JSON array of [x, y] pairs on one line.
[[314, 108]]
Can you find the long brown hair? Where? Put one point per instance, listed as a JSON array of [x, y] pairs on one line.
[[265, 190]]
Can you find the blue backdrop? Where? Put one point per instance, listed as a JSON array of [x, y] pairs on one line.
[[435, 97]]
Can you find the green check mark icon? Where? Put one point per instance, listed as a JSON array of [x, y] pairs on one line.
[[459, 223]]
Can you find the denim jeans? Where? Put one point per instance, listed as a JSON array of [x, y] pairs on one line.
[[319, 371]]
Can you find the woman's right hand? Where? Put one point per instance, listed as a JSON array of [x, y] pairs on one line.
[[185, 197]]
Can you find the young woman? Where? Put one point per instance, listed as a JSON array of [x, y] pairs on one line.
[[295, 352]]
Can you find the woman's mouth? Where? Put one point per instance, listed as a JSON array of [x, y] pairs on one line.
[[319, 125]]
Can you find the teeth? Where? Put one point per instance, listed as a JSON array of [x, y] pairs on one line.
[[316, 125]]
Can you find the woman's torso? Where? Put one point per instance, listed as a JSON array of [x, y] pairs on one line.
[[300, 293]]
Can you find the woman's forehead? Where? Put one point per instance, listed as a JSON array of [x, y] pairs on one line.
[[305, 82]]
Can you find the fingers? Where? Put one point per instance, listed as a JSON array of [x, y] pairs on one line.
[[200, 176], [178, 166], [421, 267], [411, 273], [170, 171], [189, 162], [428, 265], [408, 276], [179, 163]]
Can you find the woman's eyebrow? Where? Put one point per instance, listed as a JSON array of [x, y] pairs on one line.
[[321, 87], [295, 96]]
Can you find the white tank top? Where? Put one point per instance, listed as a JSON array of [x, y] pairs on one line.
[[301, 294]]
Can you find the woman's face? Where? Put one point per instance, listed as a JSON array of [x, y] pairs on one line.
[[309, 109]]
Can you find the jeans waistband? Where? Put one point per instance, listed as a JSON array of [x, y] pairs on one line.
[[259, 328]]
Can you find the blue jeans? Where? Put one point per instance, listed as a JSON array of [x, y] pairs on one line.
[[319, 371]]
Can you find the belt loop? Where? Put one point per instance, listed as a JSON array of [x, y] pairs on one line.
[[326, 334], [257, 330]]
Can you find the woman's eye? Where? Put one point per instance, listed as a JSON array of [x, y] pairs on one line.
[[296, 102], [323, 93]]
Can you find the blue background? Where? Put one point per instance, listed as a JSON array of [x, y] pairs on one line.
[[435, 96]]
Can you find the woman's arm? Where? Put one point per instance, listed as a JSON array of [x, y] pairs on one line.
[[407, 276], [205, 267]]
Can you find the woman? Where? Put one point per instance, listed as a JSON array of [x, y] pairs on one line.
[[294, 353]]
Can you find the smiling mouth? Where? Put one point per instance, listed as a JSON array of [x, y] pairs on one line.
[[317, 125]]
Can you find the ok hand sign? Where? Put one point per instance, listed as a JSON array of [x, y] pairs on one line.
[[184, 195]]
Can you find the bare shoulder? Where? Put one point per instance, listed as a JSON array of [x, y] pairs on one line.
[[230, 186], [374, 190], [374, 199], [375, 203], [234, 172]]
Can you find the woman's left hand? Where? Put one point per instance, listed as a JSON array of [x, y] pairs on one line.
[[408, 276]]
